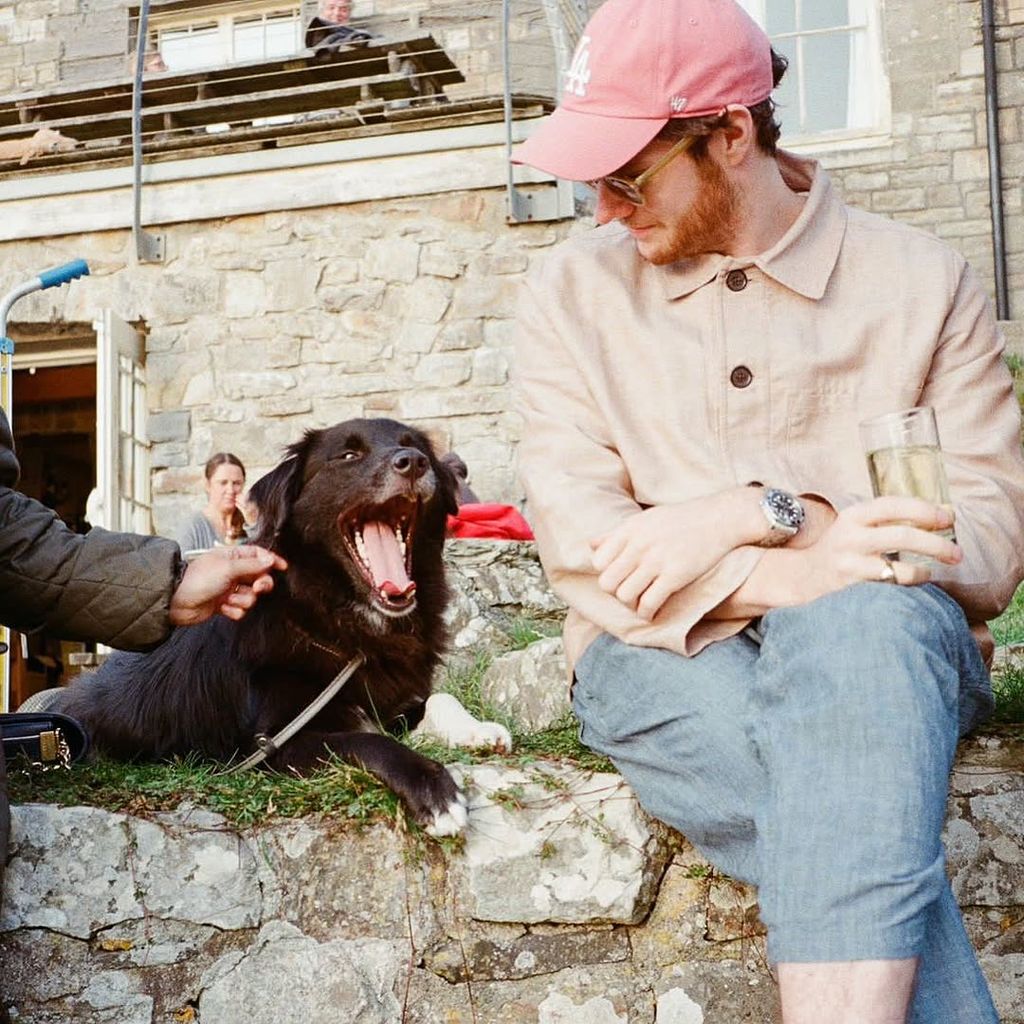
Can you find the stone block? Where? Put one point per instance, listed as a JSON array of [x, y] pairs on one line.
[[899, 199], [555, 844], [182, 296], [289, 284], [487, 298], [394, 259], [460, 334], [491, 264], [494, 583], [865, 181], [942, 124], [490, 368], [169, 426], [970, 165], [333, 887], [511, 956], [258, 384], [94, 34], [443, 369], [338, 271], [332, 981], [438, 260], [167, 454], [431, 404], [530, 686], [943, 196], [279, 406], [245, 294], [337, 300], [426, 299]]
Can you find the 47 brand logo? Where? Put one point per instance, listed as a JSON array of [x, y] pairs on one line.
[[578, 75]]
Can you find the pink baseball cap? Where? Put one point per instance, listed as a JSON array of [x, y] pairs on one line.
[[638, 64]]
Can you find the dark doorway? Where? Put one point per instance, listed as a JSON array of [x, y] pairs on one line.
[[54, 419]]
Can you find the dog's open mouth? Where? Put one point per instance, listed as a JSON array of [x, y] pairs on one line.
[[379, 539]]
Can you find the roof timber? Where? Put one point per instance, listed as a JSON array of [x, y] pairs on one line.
[[356, 85]]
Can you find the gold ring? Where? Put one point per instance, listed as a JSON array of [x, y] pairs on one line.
[[888, 573]]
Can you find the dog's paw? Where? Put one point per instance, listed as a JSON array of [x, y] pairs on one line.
[[492, 735], [450, 821], [445, 719]]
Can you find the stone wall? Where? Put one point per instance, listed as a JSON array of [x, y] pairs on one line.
[[933, 169], [77, 42], [262, 326], [565, 905]]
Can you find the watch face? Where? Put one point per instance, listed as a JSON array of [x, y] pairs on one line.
[[786, 509]]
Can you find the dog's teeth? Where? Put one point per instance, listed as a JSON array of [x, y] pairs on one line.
[[360, 545]]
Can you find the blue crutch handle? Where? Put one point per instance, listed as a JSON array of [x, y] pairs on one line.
[[64, 273]]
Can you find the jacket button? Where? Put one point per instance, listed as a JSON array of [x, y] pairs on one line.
[[736, 280], [740, 377]]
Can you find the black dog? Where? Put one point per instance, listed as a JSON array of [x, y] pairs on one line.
[[358, 511]]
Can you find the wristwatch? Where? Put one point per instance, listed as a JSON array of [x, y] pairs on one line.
[[785, 516]]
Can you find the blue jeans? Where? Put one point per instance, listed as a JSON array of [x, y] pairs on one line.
[[814, 765]]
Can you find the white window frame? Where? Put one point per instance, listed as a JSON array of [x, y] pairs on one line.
[[224, 16], [871, 82]]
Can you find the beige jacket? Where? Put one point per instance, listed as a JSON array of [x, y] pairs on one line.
[[642, 385]]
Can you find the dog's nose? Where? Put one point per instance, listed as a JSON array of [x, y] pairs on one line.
[[410, 462]]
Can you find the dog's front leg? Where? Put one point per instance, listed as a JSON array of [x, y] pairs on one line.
[[424, 786]]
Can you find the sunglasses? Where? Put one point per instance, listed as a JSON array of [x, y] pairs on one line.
[[632, 189]]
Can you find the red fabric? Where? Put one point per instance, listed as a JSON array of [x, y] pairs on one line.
[[489, 521]]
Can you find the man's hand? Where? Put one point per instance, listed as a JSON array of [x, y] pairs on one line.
[[651, 555], [228, 580], [851, 549], [847, 551]]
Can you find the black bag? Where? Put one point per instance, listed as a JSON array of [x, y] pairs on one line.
[[46, 739]]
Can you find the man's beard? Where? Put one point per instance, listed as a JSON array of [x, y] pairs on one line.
[[710, 223]]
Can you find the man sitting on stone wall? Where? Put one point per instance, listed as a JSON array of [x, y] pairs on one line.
[[761, 669]]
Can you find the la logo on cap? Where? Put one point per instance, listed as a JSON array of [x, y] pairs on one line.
[[577, 78]]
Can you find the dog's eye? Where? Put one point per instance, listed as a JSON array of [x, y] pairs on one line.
[[348, 456]]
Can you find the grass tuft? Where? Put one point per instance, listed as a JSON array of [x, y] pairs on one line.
[[337, 790], [1009, 627], [1008, 686]]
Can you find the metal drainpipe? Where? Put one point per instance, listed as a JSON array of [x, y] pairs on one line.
[[995, 162], [148, 248]]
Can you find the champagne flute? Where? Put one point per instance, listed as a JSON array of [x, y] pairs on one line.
[[905, 459]]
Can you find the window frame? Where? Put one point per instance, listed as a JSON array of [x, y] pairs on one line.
[[225, 16], [874, 72]]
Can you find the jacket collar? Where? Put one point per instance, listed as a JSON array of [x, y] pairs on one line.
[[802, 260]]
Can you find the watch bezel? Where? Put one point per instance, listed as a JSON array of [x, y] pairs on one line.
[[785, 515]]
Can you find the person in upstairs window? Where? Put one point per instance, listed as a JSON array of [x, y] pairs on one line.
[[329, 28]]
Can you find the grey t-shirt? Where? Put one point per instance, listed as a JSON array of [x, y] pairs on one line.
[[197, 534]]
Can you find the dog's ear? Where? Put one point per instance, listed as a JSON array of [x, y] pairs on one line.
[[275, 492], [448, 485]]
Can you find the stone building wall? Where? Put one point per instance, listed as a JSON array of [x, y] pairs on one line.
[[933, 171], [260, 327], [76, 42]]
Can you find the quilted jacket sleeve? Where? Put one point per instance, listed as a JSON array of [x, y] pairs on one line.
[[114, 588]]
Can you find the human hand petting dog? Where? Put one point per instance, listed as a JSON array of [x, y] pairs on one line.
[[228, 580]]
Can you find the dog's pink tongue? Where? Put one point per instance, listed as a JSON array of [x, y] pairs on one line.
[[386, 560]]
